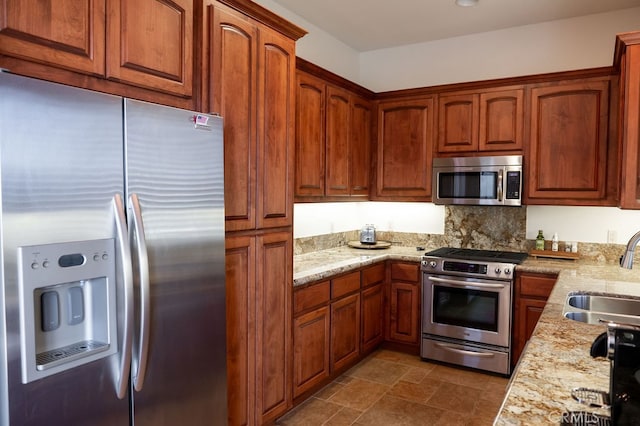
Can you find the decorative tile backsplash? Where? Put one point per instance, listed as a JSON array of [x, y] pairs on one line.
[[489, 228]]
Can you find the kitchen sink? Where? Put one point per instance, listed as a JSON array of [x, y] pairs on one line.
[[594, 308]]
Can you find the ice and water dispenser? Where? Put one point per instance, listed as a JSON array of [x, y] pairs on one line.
[[68, 305]]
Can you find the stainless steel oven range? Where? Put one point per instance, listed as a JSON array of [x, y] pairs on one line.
[[466, 307]]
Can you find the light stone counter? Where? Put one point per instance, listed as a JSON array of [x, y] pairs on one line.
[[556, 358], [323, 264]]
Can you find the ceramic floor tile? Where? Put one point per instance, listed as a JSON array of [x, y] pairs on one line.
[[359, 394], [344, 417], [311, 412], [391, 411], [452, 397], [414, 375], [418, 393], [378, 370]]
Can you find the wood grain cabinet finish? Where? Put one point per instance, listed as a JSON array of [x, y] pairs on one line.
[[627, 61], [310, 135], [372, 317], [252, 87], [345, 332], [404, 150], [333, 138], [404, 304], [311, 337], [485, 121], [530, 297], [569, 143], [258, 327], [146, 43]]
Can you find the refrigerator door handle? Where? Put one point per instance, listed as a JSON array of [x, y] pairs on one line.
[[124, 364], [136, 234]]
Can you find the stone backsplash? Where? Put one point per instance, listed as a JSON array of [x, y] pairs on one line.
[[488, 228]]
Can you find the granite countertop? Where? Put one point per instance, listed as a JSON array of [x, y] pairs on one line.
[[556, 358]]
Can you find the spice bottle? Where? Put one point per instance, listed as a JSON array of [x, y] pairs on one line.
[[540, 241], [554, 242]]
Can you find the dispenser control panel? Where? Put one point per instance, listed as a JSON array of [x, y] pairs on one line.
[[67, 305]]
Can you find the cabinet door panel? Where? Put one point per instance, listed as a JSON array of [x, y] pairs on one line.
[[276, 146], [372, 315], [501, 120], [345, 331], [404, 317], [568, 141], [233, 95], [40, 31], [458, 123], [630, 127], [337, 142], [360, 137], [240, 286], [310, 136], [311, 335], [404, 150], [273, 325], [150, 44]]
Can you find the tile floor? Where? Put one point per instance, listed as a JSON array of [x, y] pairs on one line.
[[392, 388]]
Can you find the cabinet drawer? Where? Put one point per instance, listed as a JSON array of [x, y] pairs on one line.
[[345, 284], [537, 285], [309, 297], [373, 275], [405, 272]]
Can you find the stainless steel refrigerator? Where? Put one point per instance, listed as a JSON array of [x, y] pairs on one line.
[[113, 289]]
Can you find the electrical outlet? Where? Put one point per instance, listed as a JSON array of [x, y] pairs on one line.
[[612, 236]]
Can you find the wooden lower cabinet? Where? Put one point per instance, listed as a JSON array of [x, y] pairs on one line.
[[371, 316], [530, 297], [404, 304], [311, 335], [345, 332], [258, 283]]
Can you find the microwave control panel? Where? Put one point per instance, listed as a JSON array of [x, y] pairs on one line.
[[513, 185]]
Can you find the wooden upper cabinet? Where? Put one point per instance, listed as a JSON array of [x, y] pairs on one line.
[[490, 120], [360, 155], [233, 95], [627, 60], [310, 135], [68, 34], [276, 127], [145, 43], [333, 138], [337, 141], [501, 120], [568, 143], [150, 44], [252, 71], [404, 150], [458, 123]]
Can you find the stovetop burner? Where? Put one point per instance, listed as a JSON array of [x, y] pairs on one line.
[[482, 255]]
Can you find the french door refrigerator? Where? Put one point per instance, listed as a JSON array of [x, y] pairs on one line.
[[112, 246]]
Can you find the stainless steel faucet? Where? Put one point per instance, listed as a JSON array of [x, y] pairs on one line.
[[627, 258]]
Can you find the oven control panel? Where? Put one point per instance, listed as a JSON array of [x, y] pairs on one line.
[[481, 269]]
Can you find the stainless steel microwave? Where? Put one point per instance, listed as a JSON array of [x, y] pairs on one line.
[[482, 181]]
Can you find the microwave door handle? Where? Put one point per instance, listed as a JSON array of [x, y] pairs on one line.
[[465, 283], [500, 184]]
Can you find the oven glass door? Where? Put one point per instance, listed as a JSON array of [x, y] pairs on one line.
[[468, 309]]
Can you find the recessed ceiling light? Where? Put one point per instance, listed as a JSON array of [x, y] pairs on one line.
[[466, 3]]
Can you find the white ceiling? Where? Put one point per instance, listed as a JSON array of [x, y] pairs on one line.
[[374, 24]]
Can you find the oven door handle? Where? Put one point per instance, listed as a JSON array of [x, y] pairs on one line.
[[453, 348], [500, 184], [465, 283]]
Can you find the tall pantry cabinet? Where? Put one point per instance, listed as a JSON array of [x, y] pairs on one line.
[[250, 55]]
